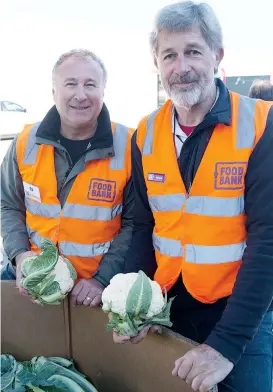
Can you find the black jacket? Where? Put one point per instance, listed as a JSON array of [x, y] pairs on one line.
[[253, 291]]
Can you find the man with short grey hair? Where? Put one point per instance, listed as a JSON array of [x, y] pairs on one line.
[[68, 179], [203, 223]]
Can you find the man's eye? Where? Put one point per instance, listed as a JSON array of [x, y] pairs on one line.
[[169, 56], [194, 52], [90, 85], [70, 84]]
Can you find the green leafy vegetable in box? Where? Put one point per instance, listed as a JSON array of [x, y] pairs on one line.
[[53, 374]]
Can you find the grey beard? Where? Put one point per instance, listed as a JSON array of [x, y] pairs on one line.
[[188, 98]]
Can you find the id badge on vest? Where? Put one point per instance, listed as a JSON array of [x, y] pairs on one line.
[[32, 192]]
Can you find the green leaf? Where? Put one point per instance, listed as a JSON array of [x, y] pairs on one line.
[[113, 322], [34, 389], [66, 363], [44, 262], [36, 268], [53, 288], [167, 308], [65, 383], [53, 389], [9, 380], [140, 296], [46, 369], [53, 296]]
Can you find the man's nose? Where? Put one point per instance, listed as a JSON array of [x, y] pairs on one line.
[[80, 94], [182, 66]]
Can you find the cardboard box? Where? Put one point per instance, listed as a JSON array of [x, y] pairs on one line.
[[145, 367], [30, 330]]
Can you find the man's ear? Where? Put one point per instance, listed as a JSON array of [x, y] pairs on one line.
[[155, 62], [219, 56]]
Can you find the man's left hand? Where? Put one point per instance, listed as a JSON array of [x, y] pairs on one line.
[[87, 292], [202, 368]]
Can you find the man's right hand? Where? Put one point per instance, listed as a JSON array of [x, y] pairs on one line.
[[136, 339], [18, 260]]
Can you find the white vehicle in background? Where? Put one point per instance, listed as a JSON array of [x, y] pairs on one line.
[[13, 117]]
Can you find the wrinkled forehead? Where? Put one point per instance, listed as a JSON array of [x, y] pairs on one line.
[[79, 69], [179, 40]]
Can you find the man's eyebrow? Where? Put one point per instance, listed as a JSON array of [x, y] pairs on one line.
[[195, 45], [168, 50], [74, 80], [70, 80]]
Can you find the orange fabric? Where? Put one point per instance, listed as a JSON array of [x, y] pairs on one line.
[[62, 229], [205, 282]]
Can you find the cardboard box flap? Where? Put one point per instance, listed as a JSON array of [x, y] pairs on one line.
[[29, 330], [145, 367]]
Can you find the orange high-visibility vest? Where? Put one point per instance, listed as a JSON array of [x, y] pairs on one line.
[[202, 234], [91, 216]]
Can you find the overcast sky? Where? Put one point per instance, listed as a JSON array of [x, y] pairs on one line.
[[35, 32]]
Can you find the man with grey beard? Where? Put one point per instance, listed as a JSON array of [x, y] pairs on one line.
[[203, 221]]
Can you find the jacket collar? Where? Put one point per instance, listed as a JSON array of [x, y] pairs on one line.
[[221, 111], [49, 130]]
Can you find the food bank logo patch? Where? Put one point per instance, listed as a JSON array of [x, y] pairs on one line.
[[102, 190], [229, 175]]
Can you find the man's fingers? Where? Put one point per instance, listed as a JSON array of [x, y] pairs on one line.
[[75, 292], [120, 339], [22, 290], [177, 365], [194, 372], [208, 382], [197, 380], [142, 334], [88, 299], [84, 295], [185, 368], [96, 301], [156, 328]]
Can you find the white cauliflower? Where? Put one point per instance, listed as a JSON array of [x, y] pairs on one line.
[[133, 301], [115, 295], [63, 276], [48, 277]]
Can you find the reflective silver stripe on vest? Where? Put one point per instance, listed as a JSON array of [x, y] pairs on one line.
[[165, 203], [47, 210], [34, 237], [79, 211], [199, 254], [167, 246], [83, 250], [246, 123], [32, 148], [199, 205], [215, 206], [120, 139], [148, 142]]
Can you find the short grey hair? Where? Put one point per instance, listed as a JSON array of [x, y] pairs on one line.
[[182, 16], [81, 54]]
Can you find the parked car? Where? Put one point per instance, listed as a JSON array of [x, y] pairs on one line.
[[13, 117]]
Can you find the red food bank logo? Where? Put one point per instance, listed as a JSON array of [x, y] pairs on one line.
[[229, 175], [102, 190]]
